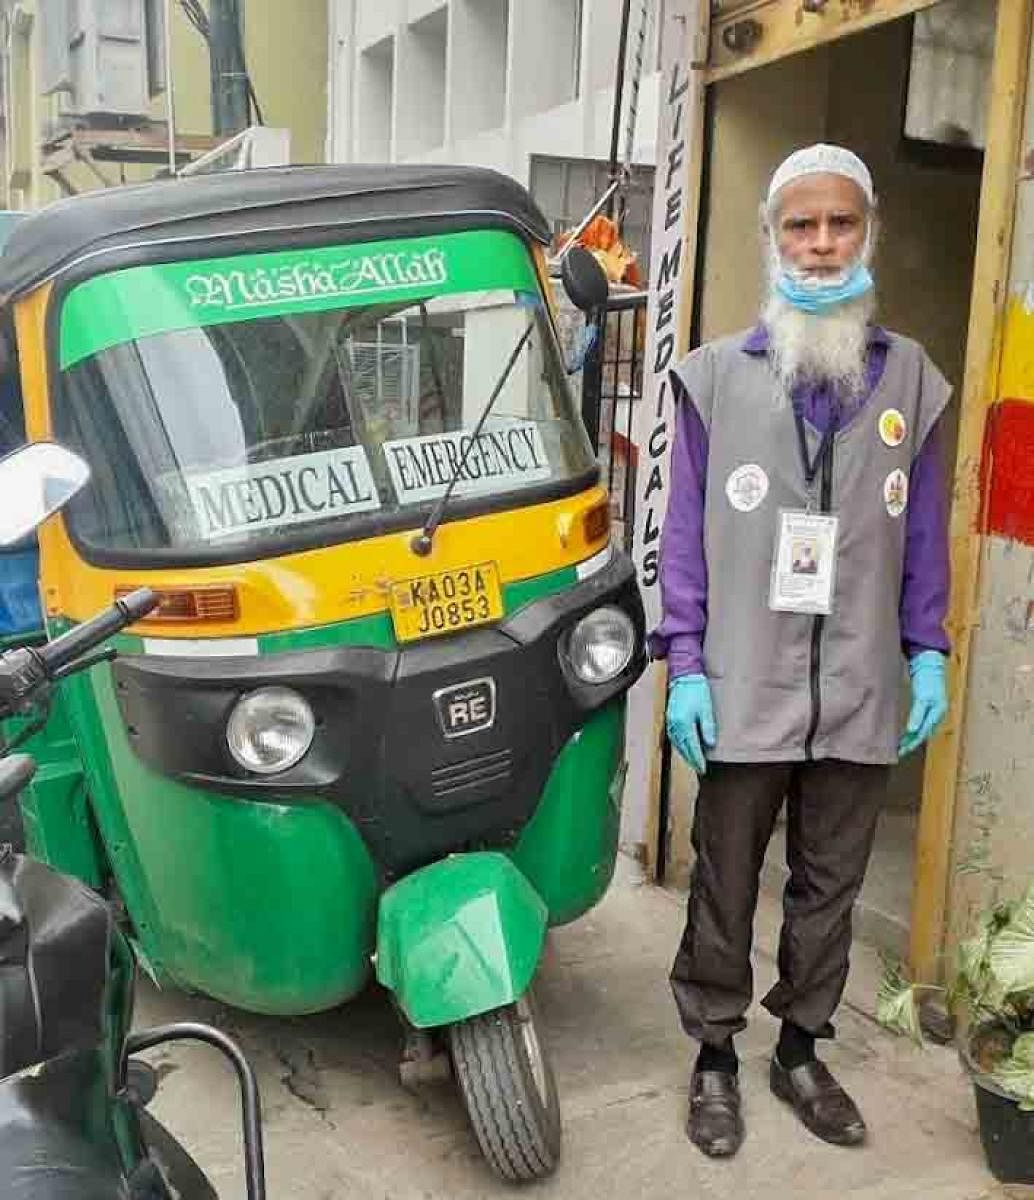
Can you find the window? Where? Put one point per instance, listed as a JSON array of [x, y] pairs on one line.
[[307, 397], [376, 102], [949, 76]]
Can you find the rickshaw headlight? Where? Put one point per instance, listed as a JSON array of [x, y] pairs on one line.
[[601, 645], [270, 730]]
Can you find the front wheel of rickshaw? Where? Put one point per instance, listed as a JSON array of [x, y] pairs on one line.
[[508, 1090]]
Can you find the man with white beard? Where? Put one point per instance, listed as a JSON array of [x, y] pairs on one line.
[[804, 559]]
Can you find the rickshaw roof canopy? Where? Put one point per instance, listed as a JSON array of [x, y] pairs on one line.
[[235, 211]]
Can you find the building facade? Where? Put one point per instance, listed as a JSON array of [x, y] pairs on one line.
[[524, 86]]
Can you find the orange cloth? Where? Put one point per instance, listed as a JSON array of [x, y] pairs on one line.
[[601, 239]]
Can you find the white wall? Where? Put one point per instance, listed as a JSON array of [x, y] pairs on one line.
[[506, 91]]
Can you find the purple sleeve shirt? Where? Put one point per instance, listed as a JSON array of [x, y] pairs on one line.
[[683, 578]]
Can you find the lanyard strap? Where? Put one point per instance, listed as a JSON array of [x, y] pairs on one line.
[[809, 465]]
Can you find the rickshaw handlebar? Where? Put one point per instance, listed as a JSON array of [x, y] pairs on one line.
[[64, 650], [26, 669]]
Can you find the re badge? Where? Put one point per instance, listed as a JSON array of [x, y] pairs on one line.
[[895, 492], [747, 487], [892, 427], [465, 708]]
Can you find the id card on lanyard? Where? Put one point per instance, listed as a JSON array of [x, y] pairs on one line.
[[805, 558]]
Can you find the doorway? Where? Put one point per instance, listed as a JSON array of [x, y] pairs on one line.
[[853, 91]]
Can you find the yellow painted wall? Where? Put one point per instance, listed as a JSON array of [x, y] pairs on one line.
[[288, 53], [286, 48]]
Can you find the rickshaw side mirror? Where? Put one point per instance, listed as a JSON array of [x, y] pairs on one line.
[[35, 481], [585, 281]]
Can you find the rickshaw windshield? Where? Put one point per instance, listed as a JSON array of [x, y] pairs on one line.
[[242, 407]]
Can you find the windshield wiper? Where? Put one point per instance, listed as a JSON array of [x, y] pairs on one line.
[[424, 540]]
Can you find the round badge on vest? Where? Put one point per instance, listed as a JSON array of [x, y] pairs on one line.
[[892, 427], [895, 492], [747, 487]]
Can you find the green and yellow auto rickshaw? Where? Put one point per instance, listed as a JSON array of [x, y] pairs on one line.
[[378, 714]]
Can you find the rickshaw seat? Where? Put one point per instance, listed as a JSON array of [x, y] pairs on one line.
[[55, 945]]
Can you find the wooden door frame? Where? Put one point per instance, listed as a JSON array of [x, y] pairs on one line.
[[789, 27], [945, 757]]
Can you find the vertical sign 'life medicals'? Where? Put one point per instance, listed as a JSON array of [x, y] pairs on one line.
[[674, 217]]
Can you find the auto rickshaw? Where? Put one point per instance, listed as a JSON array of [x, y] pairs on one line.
[[73, 1102], [377, 716]]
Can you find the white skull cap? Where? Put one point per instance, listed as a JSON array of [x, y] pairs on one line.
[[822, 159]]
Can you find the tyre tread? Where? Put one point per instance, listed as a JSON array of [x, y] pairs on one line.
[[501, 1109]]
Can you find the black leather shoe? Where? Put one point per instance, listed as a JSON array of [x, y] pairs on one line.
[[715, 1123], [820, 1102]]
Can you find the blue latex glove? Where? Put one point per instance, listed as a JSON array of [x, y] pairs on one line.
[[691, 723], [929, 671]]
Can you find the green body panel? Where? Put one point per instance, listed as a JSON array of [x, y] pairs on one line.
[[118, 1020], [569, 848], [55, 810], [373, 631], [59, 826], [526, 591], [265, 906], [459, 938]]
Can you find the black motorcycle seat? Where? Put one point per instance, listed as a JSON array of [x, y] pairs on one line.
[[55, 947], [57, 1141], [16, 771]]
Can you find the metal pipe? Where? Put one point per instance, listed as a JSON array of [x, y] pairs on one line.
[[170, 99], [619, 91], [229, 81], [637, 77], [586, 222], [148, 1039]]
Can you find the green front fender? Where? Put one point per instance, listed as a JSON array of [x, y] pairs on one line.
[[459, 938]]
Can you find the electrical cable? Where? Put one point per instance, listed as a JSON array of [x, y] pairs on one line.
[[242, 62], [200, 20], [197, 16]]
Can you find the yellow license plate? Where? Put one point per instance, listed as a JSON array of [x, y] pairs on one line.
[[431, 605]]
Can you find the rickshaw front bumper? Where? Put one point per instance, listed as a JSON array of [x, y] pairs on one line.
[[415, 790]]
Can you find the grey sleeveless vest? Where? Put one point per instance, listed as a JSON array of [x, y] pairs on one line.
[[788, 686]]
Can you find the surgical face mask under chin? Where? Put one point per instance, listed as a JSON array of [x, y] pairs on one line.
[[818, 295]]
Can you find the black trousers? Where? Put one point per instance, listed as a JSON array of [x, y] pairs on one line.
[[832, 809]]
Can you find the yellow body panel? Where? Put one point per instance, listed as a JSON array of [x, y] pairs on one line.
[[311, 588]]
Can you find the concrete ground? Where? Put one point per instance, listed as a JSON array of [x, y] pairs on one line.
[[338, 1124]]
